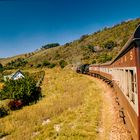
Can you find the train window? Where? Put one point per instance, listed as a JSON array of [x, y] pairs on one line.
[[123, 80], [126, 83], [133, 85], [132, 80], [133, 98]]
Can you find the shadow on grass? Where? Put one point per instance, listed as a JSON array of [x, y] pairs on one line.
[[2, 135]]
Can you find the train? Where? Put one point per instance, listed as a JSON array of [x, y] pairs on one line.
[[83, 69], [123, 74]]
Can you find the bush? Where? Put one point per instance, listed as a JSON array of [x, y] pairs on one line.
[[15, 104], [110, 45], [104, 58], [52, 65], [63, 63], [88, 48], [38, 65], [19, 62], [22, 89], [46, 63], [94, 61]]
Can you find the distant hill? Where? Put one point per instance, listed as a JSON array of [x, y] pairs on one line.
[[98, 47]]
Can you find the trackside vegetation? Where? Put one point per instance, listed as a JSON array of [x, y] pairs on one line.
[[23, 89], [21, 92], [69, 110]]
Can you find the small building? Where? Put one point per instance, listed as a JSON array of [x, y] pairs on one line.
[[14, 76]]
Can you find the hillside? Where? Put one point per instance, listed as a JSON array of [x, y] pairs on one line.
[[98, 47], [63, 112]]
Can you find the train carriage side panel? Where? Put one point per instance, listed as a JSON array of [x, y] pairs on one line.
[[124, 71], [138, 77], [125, 83]]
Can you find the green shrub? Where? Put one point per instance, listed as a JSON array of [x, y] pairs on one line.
[[63, 63], [22, 89], [94, 61], [19, 62], [38, 65], [109, 44], [104, 58], [88, 48], [52, 65], [46, 63]]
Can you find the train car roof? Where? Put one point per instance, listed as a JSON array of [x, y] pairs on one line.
[[102, 64]]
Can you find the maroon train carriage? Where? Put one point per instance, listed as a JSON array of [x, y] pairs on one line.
[[123, 73]]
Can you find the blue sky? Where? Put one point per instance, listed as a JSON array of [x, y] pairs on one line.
[[26, 25]]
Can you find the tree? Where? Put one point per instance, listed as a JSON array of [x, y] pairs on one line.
[[83, 37], [22, 89], [110, 44], [19, 62], [52, 45]]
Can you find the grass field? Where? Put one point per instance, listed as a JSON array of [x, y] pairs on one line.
[[69, 110]]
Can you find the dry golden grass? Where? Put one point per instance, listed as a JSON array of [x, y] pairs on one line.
[[70, 110]]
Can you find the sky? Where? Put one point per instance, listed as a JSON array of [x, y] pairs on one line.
[[26, 25]]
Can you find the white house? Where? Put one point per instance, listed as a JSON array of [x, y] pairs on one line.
[[15, 76]]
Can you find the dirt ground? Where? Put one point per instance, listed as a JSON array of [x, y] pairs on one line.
[[111, 126]]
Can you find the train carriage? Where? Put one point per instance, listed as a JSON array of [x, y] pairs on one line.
[[123, 72]]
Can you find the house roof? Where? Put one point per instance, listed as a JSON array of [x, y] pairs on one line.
[[14, 74]]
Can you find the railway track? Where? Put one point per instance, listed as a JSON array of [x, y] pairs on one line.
[[111, 126]]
